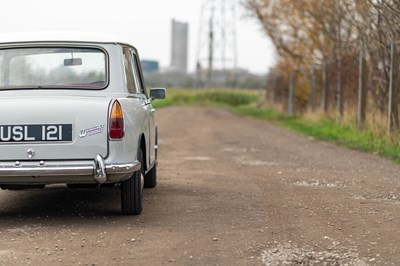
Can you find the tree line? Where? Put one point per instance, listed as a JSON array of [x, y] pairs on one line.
[[314, 32]]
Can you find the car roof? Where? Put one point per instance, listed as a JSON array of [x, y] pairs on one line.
[[61, 36]]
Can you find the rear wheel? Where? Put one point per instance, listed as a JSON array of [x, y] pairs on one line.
[[150, 180], [131, 191]]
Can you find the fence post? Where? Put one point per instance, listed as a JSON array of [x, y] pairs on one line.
[[313, 88], [292, 97], [392, 104], [324, 93], [362, 94], [339, 90]]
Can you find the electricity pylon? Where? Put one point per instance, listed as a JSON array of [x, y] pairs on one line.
[[217, 47]]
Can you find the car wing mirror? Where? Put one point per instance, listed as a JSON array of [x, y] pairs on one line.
[[158, 93]]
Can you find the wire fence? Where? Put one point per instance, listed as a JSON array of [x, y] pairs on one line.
[[363, 86]]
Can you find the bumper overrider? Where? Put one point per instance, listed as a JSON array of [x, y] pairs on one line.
[[60, 172]]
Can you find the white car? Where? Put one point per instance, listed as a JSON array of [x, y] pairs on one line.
[[78, 113]]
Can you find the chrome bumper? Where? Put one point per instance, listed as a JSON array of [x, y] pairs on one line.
[[97, 168]]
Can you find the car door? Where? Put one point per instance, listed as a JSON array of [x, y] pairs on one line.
[[150, 137]]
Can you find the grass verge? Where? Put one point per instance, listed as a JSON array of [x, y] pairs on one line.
[[245, 103]]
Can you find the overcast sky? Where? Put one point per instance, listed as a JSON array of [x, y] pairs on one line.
[[144, 23]]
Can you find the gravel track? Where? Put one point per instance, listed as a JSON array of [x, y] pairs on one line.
[[232, 191]]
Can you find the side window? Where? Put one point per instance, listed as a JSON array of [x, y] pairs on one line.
[[129, 72], [138, 77]]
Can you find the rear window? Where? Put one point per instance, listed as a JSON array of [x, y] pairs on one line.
[[53, 67]]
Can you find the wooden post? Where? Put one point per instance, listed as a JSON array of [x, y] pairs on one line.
[[324, 93], [292, 97], [362, 92], [313, 88], [339, 90], [392, 104]]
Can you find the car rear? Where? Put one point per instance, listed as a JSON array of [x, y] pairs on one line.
[[55, 118]]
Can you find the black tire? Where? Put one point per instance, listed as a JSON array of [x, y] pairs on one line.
[[150, 180], [131, 191]]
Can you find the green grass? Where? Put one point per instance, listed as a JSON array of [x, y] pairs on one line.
[[245, 103], [207, 97]]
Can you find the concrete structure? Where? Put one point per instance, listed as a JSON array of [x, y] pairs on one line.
[[179, 46]]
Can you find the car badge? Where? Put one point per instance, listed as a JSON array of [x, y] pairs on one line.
[[91, 131], [30, 152]]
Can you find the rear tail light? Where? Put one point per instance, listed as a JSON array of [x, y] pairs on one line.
[[116, 126]]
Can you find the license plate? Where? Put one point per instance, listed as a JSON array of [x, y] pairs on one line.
[[35, 133]]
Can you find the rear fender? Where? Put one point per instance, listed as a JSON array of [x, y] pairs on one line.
[[125, 149]]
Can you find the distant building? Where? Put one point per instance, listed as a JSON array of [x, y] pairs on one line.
[[150, 66], [179, 52]]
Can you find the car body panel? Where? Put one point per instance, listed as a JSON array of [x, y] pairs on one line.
[[83, 113]]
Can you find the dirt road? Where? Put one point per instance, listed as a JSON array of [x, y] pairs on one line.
[[232, 191]]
